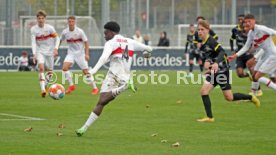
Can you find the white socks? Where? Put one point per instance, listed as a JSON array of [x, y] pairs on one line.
[[42, 81], [267, 82], [91, 119], [90, 80], [67, 75], [254, 87]]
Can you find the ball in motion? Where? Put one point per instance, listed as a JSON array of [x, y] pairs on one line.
[[57, 91]]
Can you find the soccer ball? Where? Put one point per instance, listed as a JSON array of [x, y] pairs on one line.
[[147, 54], [57, 91]]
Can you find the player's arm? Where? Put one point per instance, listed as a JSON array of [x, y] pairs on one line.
[[54, 35], [259, 54], [233, 37], [33, 39], [103, 59], [269, 30], [86, 46], [244, 49], [220, 58], [186, 47], [213, 34]]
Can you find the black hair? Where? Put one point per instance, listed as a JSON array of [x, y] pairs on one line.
[[241, 15], [249, 16], [112, 26]]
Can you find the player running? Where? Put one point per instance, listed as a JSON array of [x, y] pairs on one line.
[[119, 51], [239, 34], [191, 49], [78, 51], [45, 42], [260, 37], [218, 73]]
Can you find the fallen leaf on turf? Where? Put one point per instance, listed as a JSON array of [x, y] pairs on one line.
[[28, 129], [61, 126], [59, 134], [147, 106], [154, 134], [164, 141], [176, 144], [179, 101]]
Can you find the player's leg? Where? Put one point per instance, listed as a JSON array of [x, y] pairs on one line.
[[49, 63], [191, 64], [268, 67], [83, 64], [40, 62], [204, 92], [68, 62], [110, 89], [240, 65]]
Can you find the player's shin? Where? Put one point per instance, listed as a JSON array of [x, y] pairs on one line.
[[68, 77], [239, 96], [267, 82], [207, 105], [90, 79], [42, 81], [91, 119], [254, 87]]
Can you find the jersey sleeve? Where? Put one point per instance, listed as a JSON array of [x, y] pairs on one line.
[[33, 40], [55, 35], [62, 36], [247, 45], [83, 36], [137, 46], [103, 59], [269, 30]]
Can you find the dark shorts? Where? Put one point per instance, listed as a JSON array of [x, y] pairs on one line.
[[241, 61], [194, 55], [222, 79]]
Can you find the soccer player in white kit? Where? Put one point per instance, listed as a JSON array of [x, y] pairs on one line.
[[78, 51], [260, 37], [119, 51], [45, 42]]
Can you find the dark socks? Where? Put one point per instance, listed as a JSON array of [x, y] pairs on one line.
[[201, 68], [191, 68], [239, 96], [207, 105]]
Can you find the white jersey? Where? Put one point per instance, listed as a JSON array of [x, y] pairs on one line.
[[75, 40], [260, 37], [23, 61], [119, 51], [44, 39]]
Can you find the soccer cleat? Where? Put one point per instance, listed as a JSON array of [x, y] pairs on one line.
[[131, 86], [43, 94], [256, 101], [95, 91], [258, 93], [70, 89], [206, 119], [80, 131]]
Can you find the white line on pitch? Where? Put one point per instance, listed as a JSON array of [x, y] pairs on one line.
[[21, 117]]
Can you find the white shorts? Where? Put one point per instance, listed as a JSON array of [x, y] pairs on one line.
[[111, 82], [267, 66], [45, 59], [79, 59]]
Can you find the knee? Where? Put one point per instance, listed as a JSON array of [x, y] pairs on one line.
[[228, 98], [203, 91]]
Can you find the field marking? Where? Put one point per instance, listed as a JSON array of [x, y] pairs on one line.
[[20, 118]]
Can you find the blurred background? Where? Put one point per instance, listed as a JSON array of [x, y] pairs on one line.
[[150, 17]]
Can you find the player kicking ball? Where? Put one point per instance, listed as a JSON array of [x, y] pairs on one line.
[[45, 42], [119, 51], [78, 51], [218, 73]]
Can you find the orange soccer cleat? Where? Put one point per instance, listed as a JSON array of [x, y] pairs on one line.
[[95, 91], [70, 89]]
